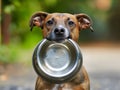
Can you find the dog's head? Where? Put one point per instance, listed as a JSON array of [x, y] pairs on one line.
[[60, 26]]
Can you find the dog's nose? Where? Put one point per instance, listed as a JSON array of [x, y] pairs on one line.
[[59, 31]]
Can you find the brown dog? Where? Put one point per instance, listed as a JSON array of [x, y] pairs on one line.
[[58, 27]]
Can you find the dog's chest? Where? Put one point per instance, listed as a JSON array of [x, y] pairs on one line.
[[62, 87]]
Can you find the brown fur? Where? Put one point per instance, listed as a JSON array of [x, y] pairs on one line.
[[82, 22]]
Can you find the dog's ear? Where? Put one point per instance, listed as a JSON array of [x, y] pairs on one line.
[[37, 19], [85, 21]]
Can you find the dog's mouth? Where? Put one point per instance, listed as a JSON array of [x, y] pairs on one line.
[[58, 38]]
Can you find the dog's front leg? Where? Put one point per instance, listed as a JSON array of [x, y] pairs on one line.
[[43, 85], [81, 82]]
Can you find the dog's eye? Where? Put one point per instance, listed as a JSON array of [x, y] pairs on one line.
[[71, 23], [50, 22]]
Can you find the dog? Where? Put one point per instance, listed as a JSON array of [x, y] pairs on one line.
[[58, 27]]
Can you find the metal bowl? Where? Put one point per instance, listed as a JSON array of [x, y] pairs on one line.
[[57, 62]]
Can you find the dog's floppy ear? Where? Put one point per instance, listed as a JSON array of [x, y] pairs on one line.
[[37, 19], [84, 21]]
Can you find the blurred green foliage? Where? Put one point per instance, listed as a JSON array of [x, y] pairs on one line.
[[21, 38], [21, 12], [7, 54]]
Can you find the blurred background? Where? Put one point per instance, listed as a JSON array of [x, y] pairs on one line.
[[101, 49]]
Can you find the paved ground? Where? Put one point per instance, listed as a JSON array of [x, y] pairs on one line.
[[102, 64]]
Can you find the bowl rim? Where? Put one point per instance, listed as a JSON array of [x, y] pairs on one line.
[[57, 78]]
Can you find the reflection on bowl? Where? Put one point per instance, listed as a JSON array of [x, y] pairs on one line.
[[57, 62]]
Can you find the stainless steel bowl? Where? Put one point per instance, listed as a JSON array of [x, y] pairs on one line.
[[57, 62]]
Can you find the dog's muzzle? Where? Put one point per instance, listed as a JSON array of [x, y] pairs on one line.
[[59, 34]]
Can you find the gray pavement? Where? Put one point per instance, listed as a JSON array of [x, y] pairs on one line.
[[102, 64]]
